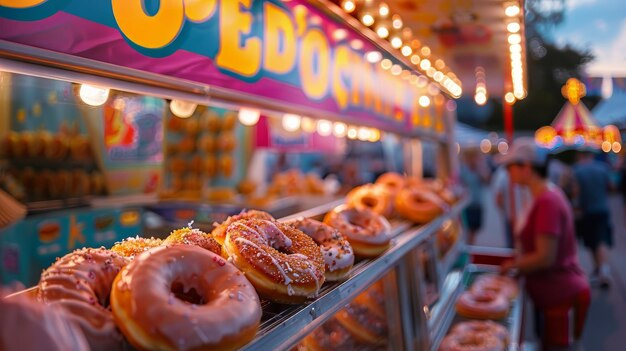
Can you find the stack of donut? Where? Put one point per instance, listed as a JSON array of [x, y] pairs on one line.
[[417, 200], [489, 297], [476, 335], [365, 317]]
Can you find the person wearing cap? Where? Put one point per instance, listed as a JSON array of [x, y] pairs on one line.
[[548, 256]]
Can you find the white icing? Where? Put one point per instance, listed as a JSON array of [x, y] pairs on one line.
[[286, 278]]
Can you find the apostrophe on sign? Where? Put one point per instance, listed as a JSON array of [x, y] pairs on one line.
[[52, 98], [21, 115], [37, 109]]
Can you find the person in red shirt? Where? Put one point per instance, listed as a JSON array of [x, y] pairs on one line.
[[548, 256]]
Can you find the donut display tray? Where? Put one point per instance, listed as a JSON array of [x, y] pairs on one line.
[[512, 322]]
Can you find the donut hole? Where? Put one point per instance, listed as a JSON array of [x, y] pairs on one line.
[[369, 201], [187, 294]]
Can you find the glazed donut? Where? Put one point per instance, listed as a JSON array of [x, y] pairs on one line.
[[418, 205], [366, 231], [194, 237], [131, 247], [226, 141], [469, 341], [497, 284], [27, 324], [364, 325], [282, 263], [226, 165], [371, 196], [219, 232], [482, 327], [394, 182], [230, 120], [332, 336], [184, 298], [482, 305], [336, 250], [246, 187], [209, 165], [211, 121], [80, 282], [374, 299], [207, 143]]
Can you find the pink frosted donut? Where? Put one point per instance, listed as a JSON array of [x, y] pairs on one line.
[[367, 232], [80, 282], [27, 324], [183, 297], [336, 250], [496, 283], [482, 305], [482, 327]]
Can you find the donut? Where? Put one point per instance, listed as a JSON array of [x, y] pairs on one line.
[[226, 164], [367, 232], [482, 327], [230, 120], [220, 194], [246, 187], [207, 143], [195, 164], [187, 145], [418, 205], [177, 165], [336, 250], [211, 121], [56, 147], [371, 196], [195, 237], [364, 325], [80, 283], [332, 336], [496, 283], [393, 181], [469, 341], [27, 324], [219, 232], [184, 298], [482, 305], [226, 141], [131, 247], [175, 124], [191, 127], [282, 263]]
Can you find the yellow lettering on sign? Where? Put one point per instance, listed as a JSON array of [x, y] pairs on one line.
[[340, 68], [151, 32], [356, 79], [278, 26], [21, 4], [314, 81], [199, 10], [244, 59]]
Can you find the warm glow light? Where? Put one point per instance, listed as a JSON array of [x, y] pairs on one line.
[[480, 98], [367, 19], [249, 117], [515, 39], [340, 34], [512, 10], [182, 109], [373, 56], [382, 31], [438, 76], [485, 146], [606, 146], [425, 51], [356, 44], [348, 5], [324, 127], [516, 56], [424, 101], [308, 124], [439, 64], [519, 93], [291, 122], [374, 135], [363, 134], [406, 50], [516, 48], [513, 27], [396, 21], [352, 133], [509, 97], [94, 96], [415, 59], [617, 147], [396, 70], [396, 42], [425, 64], [340, 129], [386, 64], [503, 147], [383, 10]]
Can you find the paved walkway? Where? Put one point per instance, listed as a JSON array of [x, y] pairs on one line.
[[606, 323]]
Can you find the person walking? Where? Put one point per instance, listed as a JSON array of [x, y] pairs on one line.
[[591, 199], [548, 257]]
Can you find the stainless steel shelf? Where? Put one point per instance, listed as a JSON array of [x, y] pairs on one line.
[[284, 329]]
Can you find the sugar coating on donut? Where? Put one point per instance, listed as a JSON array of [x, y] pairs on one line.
[[336, 250], [219, 232], [195, 237], [80, 283], [131, 247]]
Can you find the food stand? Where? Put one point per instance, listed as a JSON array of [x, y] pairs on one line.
[[150, 79]]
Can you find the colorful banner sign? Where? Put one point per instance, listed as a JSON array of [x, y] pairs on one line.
[[285, 51]]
